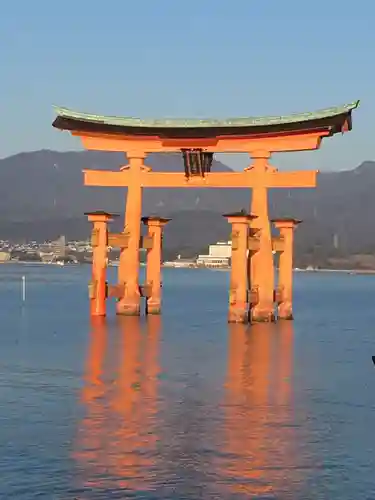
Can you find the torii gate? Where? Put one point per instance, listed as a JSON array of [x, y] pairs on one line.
[[252, 295]]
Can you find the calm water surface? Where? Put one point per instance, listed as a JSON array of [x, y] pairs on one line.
[[185, 406]]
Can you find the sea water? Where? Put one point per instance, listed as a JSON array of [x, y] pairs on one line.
[[185, 406]]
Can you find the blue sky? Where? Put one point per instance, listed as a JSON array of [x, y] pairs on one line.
[[187, 58]]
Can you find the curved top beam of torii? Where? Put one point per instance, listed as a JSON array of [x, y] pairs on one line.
[[334, 120]]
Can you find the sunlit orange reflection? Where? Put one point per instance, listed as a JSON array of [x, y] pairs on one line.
[[257, 447], [117, 439]]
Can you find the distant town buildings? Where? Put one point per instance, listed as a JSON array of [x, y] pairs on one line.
[[218, 255], [54, 250], [48, 252], [4, 256]]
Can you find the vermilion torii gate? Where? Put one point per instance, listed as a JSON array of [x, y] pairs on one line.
[[252, 295]]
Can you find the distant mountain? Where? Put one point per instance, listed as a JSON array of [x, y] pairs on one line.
[[47, 184], [42, 195]]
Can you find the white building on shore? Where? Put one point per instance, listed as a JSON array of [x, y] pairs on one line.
[[218, 255]]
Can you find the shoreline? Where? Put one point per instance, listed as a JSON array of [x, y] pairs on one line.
[[142, 264]]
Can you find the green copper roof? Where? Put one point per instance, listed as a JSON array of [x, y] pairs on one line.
[[208, 122]]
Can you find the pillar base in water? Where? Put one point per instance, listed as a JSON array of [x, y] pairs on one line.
[[97, 314], [238, 315], [153, 308], [290, 317], [262, 316], [126, 307], [285, 313]]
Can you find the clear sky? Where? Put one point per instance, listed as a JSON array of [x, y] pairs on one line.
[[193, 58]]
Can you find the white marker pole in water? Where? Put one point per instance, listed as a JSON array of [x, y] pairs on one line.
[[23, 288]]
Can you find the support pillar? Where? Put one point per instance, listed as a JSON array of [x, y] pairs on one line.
[[285, 285], [238, 294], [262, 270], [99, 243], [153, 271], [128, 273]]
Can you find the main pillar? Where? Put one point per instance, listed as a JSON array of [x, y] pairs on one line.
[[99, 243], [128, 273], [153, 270], [262, 271], [238, 294], [285, 285]]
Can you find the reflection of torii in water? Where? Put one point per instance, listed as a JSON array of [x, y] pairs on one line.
[[258, 410], [117, 440]]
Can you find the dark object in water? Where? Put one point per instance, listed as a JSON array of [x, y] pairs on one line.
[[373, 359]]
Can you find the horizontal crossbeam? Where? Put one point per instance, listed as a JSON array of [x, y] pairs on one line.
[[121, 240], [304, 140], [249, 179]]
